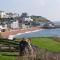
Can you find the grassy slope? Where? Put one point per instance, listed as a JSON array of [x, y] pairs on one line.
[[47, 43], [7, 58], [3, 57]]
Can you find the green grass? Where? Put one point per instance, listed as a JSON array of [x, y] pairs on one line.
[[47, 43], [7, 58], [4, 57]]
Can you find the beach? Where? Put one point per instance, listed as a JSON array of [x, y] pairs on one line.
[[11, 33]]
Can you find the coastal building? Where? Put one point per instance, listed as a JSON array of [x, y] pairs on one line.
[[2, 14], [15, 24], [12, 15], [9, 23], [49, 25], [28, 19], [26, 22]]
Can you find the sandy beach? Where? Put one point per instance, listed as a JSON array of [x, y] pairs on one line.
[[10, 33]]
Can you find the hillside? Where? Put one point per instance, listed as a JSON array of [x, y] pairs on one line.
[[39, 18]]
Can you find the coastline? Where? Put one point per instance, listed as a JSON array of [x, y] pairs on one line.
[[12, 33], [13, 36]]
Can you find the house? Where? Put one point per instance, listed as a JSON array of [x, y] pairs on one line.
[[26, 22], [2, 14], [8, 23], [15, 24], [49, 25], [12, 15], [8, 15], [28, 19]]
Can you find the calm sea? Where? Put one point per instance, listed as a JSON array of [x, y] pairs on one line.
[[41, 33]]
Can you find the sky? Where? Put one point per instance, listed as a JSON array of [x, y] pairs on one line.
[[49, 9]]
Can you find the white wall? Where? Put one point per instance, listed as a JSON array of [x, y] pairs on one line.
[[15, 24], [2, 14], [28, 19]]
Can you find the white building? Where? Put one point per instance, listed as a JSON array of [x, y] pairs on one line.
[[15, 25], [2, 14], [10, 14], [28, 19], [26, 22]]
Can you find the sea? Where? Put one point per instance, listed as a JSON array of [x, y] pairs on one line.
[[42, 33]]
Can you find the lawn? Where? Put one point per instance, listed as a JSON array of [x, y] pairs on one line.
[[3, 56], [47, 43], [7, 58]]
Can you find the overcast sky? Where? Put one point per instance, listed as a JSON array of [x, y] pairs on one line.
[[46, 8]]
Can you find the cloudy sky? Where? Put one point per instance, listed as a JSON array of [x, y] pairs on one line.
[[46, 8]]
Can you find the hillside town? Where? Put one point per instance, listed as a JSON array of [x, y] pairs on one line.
[[11, 20], [13, 23]]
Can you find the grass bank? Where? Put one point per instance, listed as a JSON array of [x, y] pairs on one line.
[[41, 42], [47, 43], [7, 58]]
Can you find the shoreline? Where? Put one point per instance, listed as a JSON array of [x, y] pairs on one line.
[[13, 36], [11, 33]]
